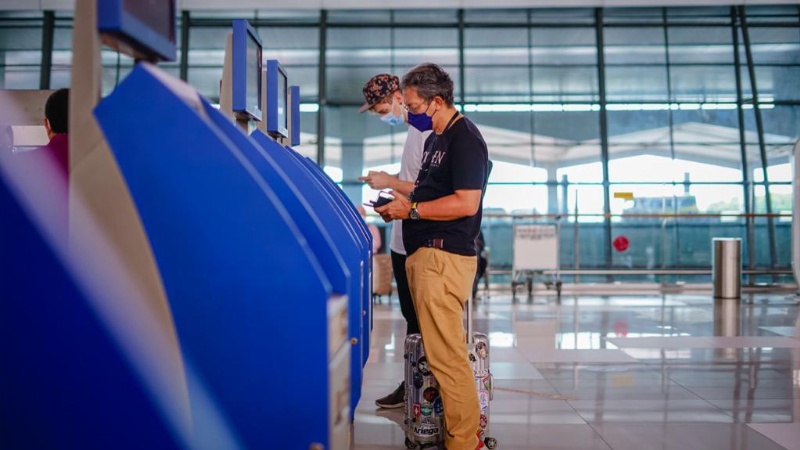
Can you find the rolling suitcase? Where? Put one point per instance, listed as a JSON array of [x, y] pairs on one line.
[[382, 275], [424, 413], [423, 408]]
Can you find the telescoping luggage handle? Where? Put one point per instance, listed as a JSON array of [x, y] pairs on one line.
[[470, 335]]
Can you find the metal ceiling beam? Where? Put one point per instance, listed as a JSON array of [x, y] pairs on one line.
[[196, 5]]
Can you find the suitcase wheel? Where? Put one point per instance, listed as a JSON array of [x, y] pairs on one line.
[[410, 443], [490, 443]]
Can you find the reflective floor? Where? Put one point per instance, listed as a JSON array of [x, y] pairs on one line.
[[618, 372]]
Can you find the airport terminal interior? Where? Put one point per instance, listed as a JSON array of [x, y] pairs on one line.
[[196, 274]]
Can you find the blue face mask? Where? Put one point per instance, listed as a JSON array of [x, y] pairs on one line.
[[392, 119], [422, 122]]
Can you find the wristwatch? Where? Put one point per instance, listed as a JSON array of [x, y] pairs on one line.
[[413, 214]]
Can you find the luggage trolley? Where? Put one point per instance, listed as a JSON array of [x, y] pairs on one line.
[[536, 252]]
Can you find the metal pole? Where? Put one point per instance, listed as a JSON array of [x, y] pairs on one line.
[[760, 129], [531, 114], [184, 63], [671, 118], [576, 237], [601, 70], [321, 91], [48, 33], [749, 221], [461, 70]]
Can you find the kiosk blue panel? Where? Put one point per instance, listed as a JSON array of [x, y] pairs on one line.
[[345, 236], [297, 204], [317, 222], [346, 208], [66, 382], [235, 267]]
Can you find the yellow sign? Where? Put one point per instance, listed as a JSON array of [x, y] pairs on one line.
[[624, 195]]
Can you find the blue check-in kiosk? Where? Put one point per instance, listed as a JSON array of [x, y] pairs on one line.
[[333, 236], [349, 243], [253, 307], [67, 379], [280, 108]]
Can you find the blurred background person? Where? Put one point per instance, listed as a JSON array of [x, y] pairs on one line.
[[6, 139], [377, 241], [56, 124]]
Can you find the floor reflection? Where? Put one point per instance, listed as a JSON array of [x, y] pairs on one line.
[[619, 372]]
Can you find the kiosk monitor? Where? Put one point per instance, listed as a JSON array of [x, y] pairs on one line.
[[247, 71], [277, 100], [143, 29]]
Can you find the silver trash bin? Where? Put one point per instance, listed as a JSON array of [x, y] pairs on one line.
[[727, 267]]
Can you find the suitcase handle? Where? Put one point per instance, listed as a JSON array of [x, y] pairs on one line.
[[470, 336]]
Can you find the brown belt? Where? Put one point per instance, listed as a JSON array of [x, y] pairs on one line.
[[434, 243]]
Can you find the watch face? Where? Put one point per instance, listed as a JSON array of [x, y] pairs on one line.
[[413, 214]]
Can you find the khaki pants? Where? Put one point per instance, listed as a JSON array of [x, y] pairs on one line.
[[440, 283]]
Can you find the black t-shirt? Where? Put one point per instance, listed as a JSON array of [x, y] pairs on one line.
[[457, 159]]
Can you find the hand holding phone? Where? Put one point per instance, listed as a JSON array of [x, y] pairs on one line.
[[383, 199]]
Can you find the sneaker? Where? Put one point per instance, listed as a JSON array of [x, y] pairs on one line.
[[394, 400]]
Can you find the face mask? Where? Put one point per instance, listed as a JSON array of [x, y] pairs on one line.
[[422, 122], [392, 119]]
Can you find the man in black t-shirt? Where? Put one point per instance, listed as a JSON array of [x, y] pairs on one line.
[[441, 219]]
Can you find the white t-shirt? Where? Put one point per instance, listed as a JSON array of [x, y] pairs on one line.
[[410, 163]]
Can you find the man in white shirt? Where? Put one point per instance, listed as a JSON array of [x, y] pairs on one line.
[[384, 99]]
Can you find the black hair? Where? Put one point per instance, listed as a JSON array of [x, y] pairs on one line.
[[430, 81], [56, 111]]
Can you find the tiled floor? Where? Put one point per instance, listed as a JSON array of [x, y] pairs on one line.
[[618, 372]]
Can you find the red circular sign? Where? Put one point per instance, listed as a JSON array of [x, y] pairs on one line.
[[621, 328], [621, 243]]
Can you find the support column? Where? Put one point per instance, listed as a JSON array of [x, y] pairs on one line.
[[322, 99], [552, 188], [48, 33]]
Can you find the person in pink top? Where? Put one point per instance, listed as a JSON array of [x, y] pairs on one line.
[[45, 170], [56, 123], [377, 242]]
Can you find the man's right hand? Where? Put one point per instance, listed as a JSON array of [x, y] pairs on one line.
[[397, 209], [378, 180]]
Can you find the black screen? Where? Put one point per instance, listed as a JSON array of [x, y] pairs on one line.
[[156, 14], [283, 94], [254, 67]]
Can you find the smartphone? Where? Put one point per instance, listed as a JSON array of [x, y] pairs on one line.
[[383, 198]]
